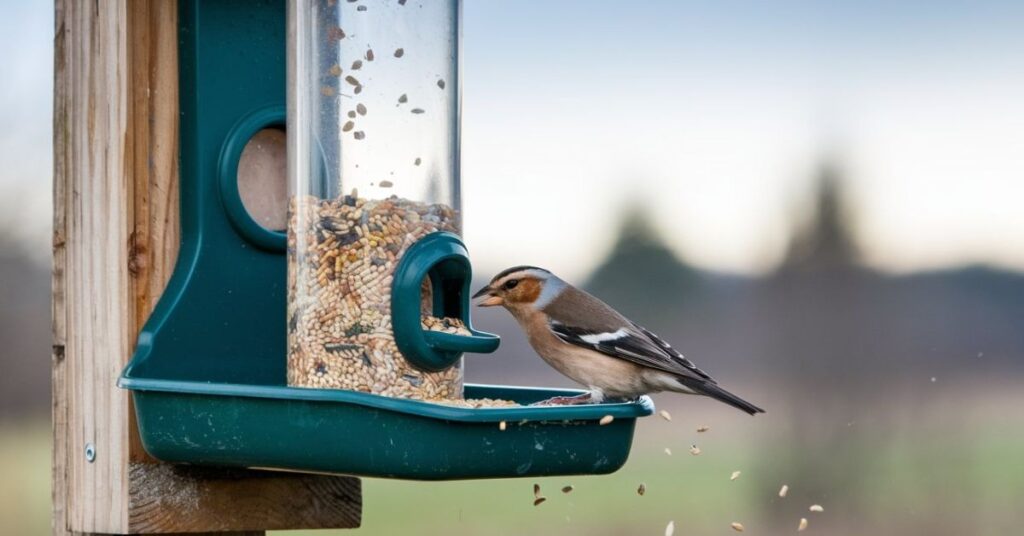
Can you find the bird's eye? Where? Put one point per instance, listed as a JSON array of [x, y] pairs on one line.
[[510, 284]]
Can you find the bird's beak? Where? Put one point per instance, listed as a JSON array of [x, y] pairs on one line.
[[491, 299]]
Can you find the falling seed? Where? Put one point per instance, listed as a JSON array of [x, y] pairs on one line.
[[369, 54], [670, 529], [386, 184], [352, 114], [665, 415], [502, 426], [327, 91], [783, 490], [703, 428], [352, 80], [347, 126], [738, 527], [567, 489], [335, 33], [640, 490], [356, 65], [335, 70], [539, 500], [361, 109], [734, 475], [417, 162], [803, 525], [417, 110], [399, 52], [359, 134], [403, 99], [536, 491], [440, 84], [607, 419], [695, 450], [816, 508], [668, 451]]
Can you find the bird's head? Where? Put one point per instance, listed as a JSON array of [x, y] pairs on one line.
[[521, 287]]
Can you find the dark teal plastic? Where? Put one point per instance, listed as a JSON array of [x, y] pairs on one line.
[[442, 257], [208, 374]]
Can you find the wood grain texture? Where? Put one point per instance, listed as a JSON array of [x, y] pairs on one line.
[[115, 242]]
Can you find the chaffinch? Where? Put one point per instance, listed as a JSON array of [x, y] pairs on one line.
[[591, 343]]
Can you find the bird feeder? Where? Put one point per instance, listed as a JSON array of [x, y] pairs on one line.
[[336, 345]]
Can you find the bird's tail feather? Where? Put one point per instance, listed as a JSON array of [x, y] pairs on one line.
[[714, 391]]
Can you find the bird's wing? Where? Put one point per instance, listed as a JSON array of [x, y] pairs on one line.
[[610, 333]]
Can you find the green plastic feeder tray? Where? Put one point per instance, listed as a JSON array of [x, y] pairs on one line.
[[208, 375]]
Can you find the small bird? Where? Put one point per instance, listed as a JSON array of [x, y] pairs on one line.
[[585, 339]]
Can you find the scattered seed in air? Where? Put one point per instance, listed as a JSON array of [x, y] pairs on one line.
[[734, 475], [607, 419], [361, 109], [386, 184], [539, 500], [335, 33], [335, 70], [356, 65], [670, 529], [703, 428], [369, 54], [803, 525], [502, 426], [665, 415], [816, 508], [352, 114], [399, 52], [641, 489], [567, 489], [417, 162], [440, 84], [784, 490], [668, 451], [738, 527], [403, 99], [359, 134], [347, 126], [327, 91], [417, 110], [352, 80]]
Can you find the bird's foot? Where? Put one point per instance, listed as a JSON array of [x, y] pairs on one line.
[[565, 400]]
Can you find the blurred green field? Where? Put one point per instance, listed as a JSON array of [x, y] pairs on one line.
[[967, 479]]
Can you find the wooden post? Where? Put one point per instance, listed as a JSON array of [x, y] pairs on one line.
[[115, 239]]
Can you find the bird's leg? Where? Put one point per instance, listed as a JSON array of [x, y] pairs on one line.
[[565, 400]]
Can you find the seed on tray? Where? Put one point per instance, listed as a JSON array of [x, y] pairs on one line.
[[359, 135], [358, 90], [539, 500], [352, 80], [665, 415], [335, 70], [816, 508], [607, 419], [641, 489], [347, 126], [386, 184], [417, 110], [440, 83], [356, 65], [361, 109], [399, 52], [567, 489], [703, 428], [369, 54], [803, 525], [403, 99], [417, 162], [738, 527], [327, 91], [784, 490], [734, 475], [352, 114], [695, 450]]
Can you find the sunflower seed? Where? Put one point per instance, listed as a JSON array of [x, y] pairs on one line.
[[352, 80], [361, 109], [816, 508], [356, 65], [539, 500], [738, 527], [665, 415], [783, 490], [567, 489], [347, 126], [803, 525], [607, 419], [734, 475], [670, 529]]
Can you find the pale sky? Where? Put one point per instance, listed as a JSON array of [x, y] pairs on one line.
[[711, 114]]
